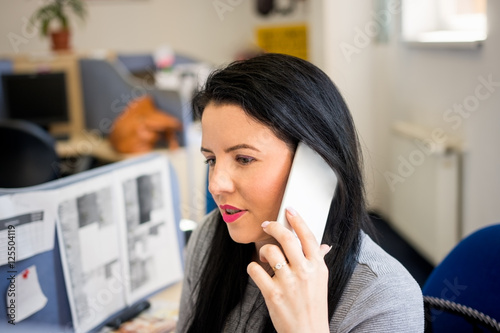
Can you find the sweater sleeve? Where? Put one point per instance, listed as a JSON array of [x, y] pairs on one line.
[[380, 297], [388, 305]]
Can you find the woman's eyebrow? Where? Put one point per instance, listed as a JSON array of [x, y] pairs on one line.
[[205, 150], [230, 149], [241, 146]]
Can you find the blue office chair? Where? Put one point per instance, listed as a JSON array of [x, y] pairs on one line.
[[28, 155], [462, 294]]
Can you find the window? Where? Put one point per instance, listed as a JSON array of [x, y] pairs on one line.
[[444, 22]]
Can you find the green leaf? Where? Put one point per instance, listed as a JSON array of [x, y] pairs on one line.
[[58, 10]]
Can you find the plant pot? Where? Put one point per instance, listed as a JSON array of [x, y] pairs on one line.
[[60, 40]]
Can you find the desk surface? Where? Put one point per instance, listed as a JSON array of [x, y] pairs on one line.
[[170, 294], [92, 144], [160, 317]]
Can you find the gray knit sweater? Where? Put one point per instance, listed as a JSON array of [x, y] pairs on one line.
[[381, 295]]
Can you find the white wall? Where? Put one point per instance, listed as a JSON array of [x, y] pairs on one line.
[[425, 84], [193, 27], [353, 75], [391, 81]]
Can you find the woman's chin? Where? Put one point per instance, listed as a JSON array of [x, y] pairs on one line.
[[247, 237], [241, 238]]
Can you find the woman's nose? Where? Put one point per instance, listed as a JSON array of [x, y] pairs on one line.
[[220, 181]]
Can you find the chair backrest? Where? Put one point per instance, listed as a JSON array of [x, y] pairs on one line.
[[28, 155], [137, 63], [144, 62], [470, 276]]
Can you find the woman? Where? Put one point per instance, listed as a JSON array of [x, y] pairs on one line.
[[245, 273]]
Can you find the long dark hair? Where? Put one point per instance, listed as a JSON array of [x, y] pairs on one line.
[[298, 102]]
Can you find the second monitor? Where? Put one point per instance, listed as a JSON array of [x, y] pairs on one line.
[[40, 98]]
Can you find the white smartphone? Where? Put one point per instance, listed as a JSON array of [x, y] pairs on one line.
[[309, 190]]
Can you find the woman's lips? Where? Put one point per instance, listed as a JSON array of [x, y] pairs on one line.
[[230, 213]]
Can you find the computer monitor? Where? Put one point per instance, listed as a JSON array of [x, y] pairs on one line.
[[40, 98]]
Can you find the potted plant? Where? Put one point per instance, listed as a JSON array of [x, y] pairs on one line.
[[53, 19]]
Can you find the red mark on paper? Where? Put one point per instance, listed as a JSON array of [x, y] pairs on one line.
[[25, 274]]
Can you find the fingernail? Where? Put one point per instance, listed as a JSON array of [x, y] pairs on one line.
[[265, 224], [292, 211]]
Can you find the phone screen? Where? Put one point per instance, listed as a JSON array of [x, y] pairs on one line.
[[310, 189]]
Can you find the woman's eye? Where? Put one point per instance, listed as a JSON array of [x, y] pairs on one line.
[[245, 160], [210, 161]]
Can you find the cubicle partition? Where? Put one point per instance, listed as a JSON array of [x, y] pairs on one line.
[[5, 68], [78, 251]]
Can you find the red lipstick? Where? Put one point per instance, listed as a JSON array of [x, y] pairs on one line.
[[230, 213]]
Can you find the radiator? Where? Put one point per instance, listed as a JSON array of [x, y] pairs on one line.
[[425, 186]]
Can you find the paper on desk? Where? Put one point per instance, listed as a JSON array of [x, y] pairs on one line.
[[118, 240], [27, 225], [151, 249], [89, 242], [26, 296]]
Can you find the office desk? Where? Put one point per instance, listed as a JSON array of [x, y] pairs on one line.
[[92, 144], [161, 317]]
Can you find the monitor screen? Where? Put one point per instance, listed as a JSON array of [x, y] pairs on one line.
[[40, 98]]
